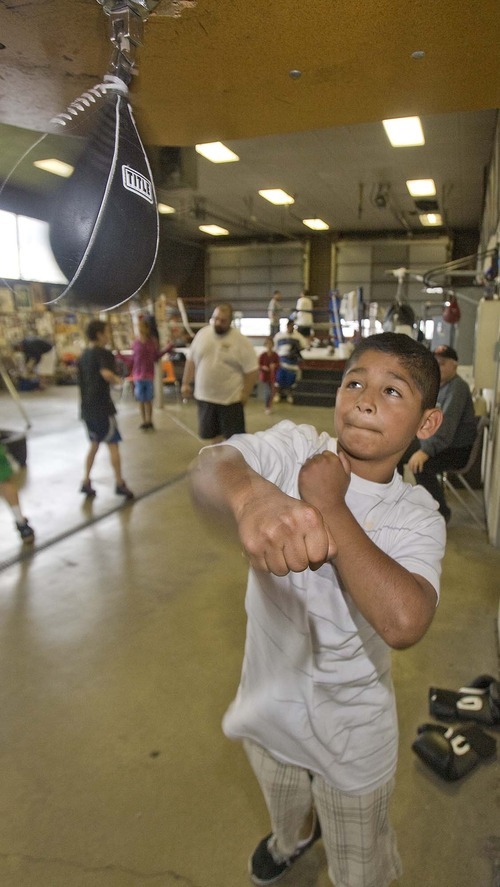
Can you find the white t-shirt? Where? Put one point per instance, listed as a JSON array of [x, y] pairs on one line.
[[288, 347], [221, 362], [304, 311], [273, 310], [316, 688]]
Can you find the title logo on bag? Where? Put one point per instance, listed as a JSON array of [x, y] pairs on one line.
[[137, 183], [458, 742]]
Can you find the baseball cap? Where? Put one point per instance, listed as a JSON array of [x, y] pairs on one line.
[[446, 351]]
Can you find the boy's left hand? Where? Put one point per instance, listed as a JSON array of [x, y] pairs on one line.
[[324, 480]]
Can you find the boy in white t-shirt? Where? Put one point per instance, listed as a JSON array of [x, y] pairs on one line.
[[345, 561]]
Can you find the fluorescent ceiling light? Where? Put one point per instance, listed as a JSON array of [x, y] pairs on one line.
[[431, 219], [216, 152], [215, 230], [56, 167], [316, 224], [404, 132], [421, 187], [276, 196], [164, 208]]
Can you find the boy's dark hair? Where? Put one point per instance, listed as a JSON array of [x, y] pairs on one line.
[[415, 357], [94, 328]]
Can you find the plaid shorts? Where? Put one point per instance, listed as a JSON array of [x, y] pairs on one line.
[[359, 842]]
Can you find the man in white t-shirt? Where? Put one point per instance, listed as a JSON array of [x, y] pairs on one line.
[[223, 365], [304, 315], [345, 560], [274, 313]]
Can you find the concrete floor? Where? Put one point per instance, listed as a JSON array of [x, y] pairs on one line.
[[121, 639]]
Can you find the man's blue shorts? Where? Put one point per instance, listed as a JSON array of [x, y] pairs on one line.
[[285, 378], [103, 430], [143, 390]]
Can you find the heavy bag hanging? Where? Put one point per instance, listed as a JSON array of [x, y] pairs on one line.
[[104, 224]]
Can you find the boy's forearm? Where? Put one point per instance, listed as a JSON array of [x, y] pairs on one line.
[[110, 377], [221, 481], [278, 533], [399, 605]]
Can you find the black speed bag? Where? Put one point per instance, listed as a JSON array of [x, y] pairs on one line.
[[104, 221]]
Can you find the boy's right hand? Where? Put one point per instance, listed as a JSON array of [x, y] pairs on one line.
[[280, 534]]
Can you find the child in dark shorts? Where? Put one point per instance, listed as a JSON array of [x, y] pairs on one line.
[[96, 372]]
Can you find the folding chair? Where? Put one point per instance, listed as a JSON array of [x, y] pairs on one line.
[[475, 454]]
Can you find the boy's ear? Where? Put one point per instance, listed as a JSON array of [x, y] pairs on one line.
[[431, 420]]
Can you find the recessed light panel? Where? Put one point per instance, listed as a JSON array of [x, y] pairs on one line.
[[214, 230], [216, 152], [56, 167], [421, 187], [431, 220], [277, 196], [164, 208], [316, 224], [404, 132]]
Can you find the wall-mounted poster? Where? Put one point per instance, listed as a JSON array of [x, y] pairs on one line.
[[6, 300], [38, 296], [22, 296]]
